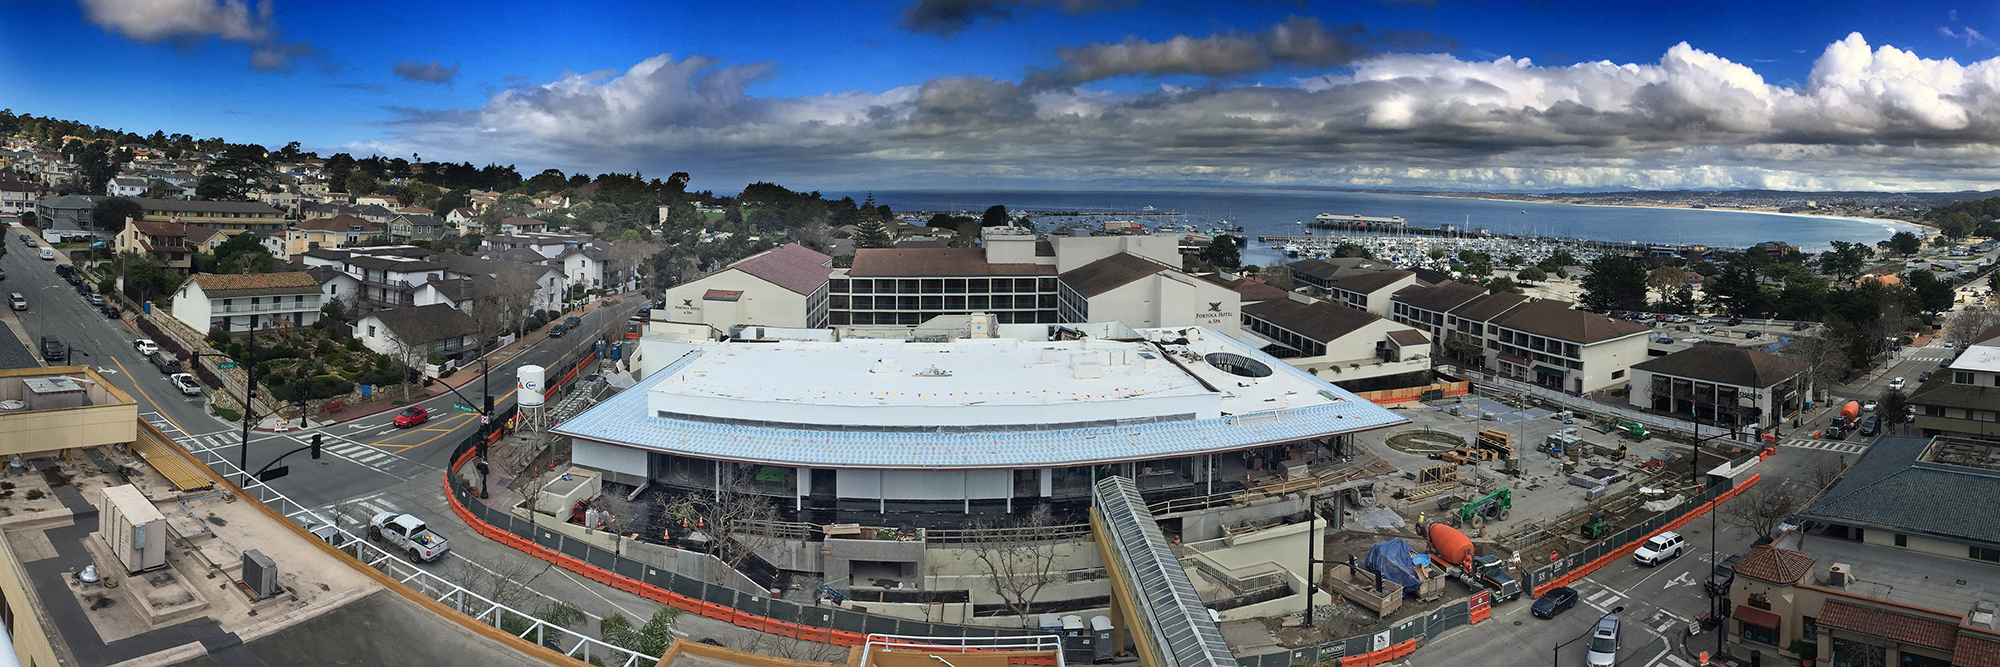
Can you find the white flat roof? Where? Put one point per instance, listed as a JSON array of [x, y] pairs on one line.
[[1978, 358], [1003, 404]]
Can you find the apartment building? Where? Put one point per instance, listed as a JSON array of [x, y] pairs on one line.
[[783, 287], [228, 217], [1722, 384], [1963, 397], [247, 302]]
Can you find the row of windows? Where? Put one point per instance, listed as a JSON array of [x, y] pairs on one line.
[[198, 214], [1968, 377], [843, 318], [1540, 358], [940, 285], [1307, 346], [976, 302], [1541, 344]]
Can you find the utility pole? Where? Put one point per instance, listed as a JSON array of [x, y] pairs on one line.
[[249, 395]]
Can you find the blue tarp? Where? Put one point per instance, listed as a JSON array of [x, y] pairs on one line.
[[1392, 559]]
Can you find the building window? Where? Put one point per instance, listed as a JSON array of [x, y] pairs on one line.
[[1809, 630], [1617, 374], [1764, 636], [1984, 553], [371, 331], [1961, 377], [1902, 540]]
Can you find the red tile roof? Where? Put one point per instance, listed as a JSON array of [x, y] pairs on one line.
[[722, 295], [1941, 635], [1976, 650], [1775, 565], [791, 266], [228, 284]]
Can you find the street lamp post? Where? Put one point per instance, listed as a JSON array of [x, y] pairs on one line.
[[1694, 475], [249, 394], [485, 421]]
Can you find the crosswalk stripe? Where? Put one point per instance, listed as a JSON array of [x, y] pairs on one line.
[[370, 457], [1675, 661], [1599, 594]]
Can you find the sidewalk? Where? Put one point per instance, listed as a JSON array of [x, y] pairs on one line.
[[392, 398]]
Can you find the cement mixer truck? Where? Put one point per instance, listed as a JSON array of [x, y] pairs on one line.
[[1479, 573]]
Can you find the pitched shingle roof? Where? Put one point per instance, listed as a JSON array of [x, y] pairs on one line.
[[1368, 283], [915, 262], [1775, 565], [1887, 624], [219, 285], [1319, 320], [1441, 297], [1251, 289], [343, 223], [421, 325], [205, 206], [1487, 307], [1110, 273], [1556, 319], [1726, 364], [1409, 337], [792, 266], [1891, 488]]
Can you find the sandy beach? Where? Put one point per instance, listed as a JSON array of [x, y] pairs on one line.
[[1766, 210]]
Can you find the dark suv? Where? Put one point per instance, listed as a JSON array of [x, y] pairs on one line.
[[53, 350], [1723, 575]]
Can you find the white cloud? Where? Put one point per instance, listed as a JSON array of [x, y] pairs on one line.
[[188, 21], [1866, 118]]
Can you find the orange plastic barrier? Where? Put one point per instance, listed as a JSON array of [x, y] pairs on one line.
[[1405, 648], [1621, 552]]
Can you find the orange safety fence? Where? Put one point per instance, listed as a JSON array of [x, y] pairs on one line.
[[1406, 394], [641, 589], [1378, 657], [1571, 576]]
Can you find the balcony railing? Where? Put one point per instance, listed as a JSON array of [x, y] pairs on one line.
[[282, 306]]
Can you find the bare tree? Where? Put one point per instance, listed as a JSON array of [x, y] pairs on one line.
[[736, 519], [790, 648], [1823, 474], [514, 293], [408, 357], [1018, 557], [1825, 358], [629, 258], [1968, 323], [1763, 507]]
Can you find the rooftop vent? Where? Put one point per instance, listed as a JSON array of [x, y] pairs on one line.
[[1839, 575], [1982, 613], [886, 367]]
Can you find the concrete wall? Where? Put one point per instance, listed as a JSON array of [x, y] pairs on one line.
[[1603, 359], [762, 303], [1076, 251], [112, 419], [31, 637], [1170, 299], [680, 561]]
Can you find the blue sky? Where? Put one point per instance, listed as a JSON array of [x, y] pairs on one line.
[[1058, 93]]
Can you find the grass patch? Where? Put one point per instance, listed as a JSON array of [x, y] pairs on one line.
[[225, 413]]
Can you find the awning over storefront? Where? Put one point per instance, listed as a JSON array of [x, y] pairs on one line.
[[1549, 371], [1753, 616]]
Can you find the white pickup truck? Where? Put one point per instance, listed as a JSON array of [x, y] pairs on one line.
[[408, 533]]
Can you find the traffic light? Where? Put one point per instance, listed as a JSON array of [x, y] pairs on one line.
[[315, 446], [413, 376]]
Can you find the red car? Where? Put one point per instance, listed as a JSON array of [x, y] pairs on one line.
[[412, 417]]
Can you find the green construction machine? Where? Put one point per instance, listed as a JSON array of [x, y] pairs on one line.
[[1595, 527], [1625, 427], [1494, 506]]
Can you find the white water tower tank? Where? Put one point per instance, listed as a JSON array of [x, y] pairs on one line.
[[529, 386]]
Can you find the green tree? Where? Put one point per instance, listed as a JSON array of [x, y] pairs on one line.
[[360, 183], [1957, 224], [110, 214], [1223, 252], [1906, 243], [996, 216], [1933, 294], [1844, 260], [870, 231], [1502, 284], [1802, 298], [1531, 274], [1353, 250], [1735, 291], [1615, 283]]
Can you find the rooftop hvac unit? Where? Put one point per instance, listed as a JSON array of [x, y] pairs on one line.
[[133, 528], [259, 574], [1839, 574]]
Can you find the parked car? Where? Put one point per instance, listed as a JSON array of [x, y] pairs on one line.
[[19, 302], [30, 240], [1896, 384], [1602, 651], [1663, 547], [3, 274], [49, 254], [185, 383], [1924, 376], [573, 322], [411, 417], [110, 311], [558, 330], [95, 299], [53, 350], [166, 362], [145, 346], [1554, 602], [1701, 320], [1664, 340], [1735, 321], [1708, 328]]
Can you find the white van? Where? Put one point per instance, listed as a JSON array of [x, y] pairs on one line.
[[49, 254]]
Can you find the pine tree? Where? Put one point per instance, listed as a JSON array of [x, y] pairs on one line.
[[869, 229]]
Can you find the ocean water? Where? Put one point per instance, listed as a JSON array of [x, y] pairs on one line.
[[1279, 212]]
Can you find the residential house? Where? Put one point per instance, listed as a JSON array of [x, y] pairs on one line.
[[418, 333], [589, 267], [1370, 291], [375, 214], [1896, 563], [389, 281], [1142, 293], [125, 186], [1963, 397], [18, 197], [461, 215], [522, 225], [390, 202], [336, 232], [1721, 384], [170, 245], [248, 301], [1342, 345], [228, 217], [66, 212], [310, 210], [407, 227], [782, 287]]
